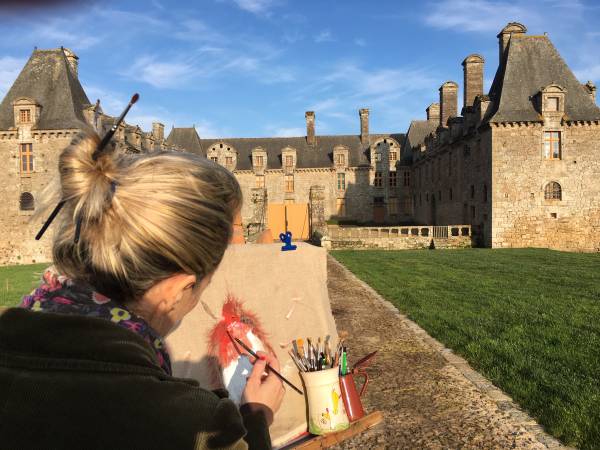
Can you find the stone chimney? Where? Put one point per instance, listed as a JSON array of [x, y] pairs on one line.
[[505, 35], [448, 102], [310, 127], [473, 78], [433, 112], [364, 125], [72, 59], [590, 88], [158, 132]]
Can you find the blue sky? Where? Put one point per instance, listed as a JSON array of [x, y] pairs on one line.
[[252, 67]]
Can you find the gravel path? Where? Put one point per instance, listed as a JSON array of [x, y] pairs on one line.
[[430, 398]]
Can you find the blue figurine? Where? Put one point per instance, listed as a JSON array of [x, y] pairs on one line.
[[286, 238]]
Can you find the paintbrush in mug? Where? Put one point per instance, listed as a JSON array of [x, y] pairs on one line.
[[277, 374]]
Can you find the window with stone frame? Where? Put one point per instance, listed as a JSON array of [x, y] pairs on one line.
[[289, 183], [552, 145], [340, 206], [341, 181], [26, 202], [259, 160], [407, 178], [229, 161], [214, 159], [340, 159], [393, 156], [289, 161], [553, 191], [378, 182], [26, 159], [260, 181], [25, 115], [393, 180]]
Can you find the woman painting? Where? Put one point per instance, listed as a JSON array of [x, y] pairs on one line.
[[82, 360]]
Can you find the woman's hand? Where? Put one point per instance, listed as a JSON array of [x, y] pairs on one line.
[[264, 391]]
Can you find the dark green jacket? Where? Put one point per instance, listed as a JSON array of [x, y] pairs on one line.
[[72, 382]]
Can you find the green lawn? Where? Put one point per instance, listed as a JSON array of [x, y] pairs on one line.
[[528, 319], [16, 281]]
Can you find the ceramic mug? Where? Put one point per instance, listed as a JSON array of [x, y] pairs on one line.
[[326, 411], [351, 397]]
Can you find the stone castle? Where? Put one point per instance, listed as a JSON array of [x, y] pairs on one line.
[[521, 164]]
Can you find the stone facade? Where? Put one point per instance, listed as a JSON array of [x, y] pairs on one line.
[[521, 164]]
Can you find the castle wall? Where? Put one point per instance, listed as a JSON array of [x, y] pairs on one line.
[[449, 185], [522, 217]]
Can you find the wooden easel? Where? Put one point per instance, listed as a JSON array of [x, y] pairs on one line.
[[311, 442]]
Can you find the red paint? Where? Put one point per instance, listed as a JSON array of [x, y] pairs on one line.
[[238, 321]]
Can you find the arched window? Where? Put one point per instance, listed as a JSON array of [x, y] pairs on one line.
[[553, 191], [26, 201]]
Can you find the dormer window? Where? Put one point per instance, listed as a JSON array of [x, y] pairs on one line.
[[259, 161], [25, 115], [26, 111], [340, 157], [288, 159], [553, 100]]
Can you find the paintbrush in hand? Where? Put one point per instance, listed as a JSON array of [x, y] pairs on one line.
[[249, 350]]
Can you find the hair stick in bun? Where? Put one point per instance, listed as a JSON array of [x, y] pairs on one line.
[[97, 152]]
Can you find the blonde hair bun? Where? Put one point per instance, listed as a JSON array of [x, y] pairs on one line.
[[170, 212]]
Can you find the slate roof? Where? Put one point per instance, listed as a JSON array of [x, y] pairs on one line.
[[418, 131], [531, 63], [185, 139], [48, 79], [320, 155]]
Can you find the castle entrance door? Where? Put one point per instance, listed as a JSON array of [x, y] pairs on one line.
[[288, 217], [378, 210]]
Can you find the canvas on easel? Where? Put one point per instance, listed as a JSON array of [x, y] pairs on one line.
[[269, 298]]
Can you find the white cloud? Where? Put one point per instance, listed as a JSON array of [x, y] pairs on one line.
[[488, 15], [160, 74], [591, 72], [324, 36], [255, 6], [9, 70]]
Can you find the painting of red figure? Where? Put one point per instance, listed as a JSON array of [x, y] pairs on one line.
[[234, 362]]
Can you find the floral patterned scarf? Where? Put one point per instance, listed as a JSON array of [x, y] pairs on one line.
[[58, 294]]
